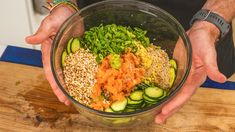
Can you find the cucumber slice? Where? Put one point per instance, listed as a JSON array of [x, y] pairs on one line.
[[68, 48], [138, 106], [119, 106], [138, 109], [108, 110], [137, 95], [133, 102], [131, 106], [163, 96], [141, 86], [149, 102], [143, 105], [173, 63], [153, 92], [146, 98], [75, 45], [172, 76], [129, 110], [63, 56]]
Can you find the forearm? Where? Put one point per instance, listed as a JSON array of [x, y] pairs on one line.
[[225, 8]]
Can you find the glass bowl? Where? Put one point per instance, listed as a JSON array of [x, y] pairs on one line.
[[163, 30]]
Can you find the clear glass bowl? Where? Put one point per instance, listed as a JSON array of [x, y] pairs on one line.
[[163, 30]]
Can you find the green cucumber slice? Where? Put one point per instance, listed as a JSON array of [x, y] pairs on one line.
[[133, 102], [129, 110], [63, 56], [149, 102], [146, 98], [141, 86], [143, 105], [137, 95], [173, 63], [131, 106], [153, 92], [75, 45], [163, 96], [119, 106], [172, 76], [138, 106], [68, 48], [108, 110]]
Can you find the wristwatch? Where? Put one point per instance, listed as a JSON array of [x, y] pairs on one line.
[[55, 3], [209, 16]]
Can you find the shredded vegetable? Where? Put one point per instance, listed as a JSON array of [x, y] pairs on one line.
[[104, 40], [119, 83]]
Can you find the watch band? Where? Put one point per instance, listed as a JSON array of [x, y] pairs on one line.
[[218, 21]]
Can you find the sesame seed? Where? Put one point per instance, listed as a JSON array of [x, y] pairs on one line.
[[159, 70], [79, 74]]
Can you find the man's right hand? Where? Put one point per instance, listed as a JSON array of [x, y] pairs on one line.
[[44, 36], [203, 36]]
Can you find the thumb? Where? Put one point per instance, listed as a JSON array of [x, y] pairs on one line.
[[212, 70], [44, 32]]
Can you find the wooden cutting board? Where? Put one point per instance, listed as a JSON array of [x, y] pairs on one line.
[[27, 103]]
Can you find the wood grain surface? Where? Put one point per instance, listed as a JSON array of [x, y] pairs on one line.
[[27, 103]]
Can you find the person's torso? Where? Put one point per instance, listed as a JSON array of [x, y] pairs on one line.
[[182, 10]]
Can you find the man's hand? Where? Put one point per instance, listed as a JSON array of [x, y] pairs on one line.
[[46, 32], [202, 36]]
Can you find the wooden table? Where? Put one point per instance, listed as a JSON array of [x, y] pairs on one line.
[[28, 104]]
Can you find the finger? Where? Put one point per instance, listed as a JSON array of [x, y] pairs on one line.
[[177, 101], [174, 105], [45, 30], [161, 118], [67, 103], [46, 47], [57, 91], [212, 69], [184, 94], [215, 75]]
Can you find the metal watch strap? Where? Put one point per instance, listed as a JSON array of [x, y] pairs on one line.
[[218, 21]]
